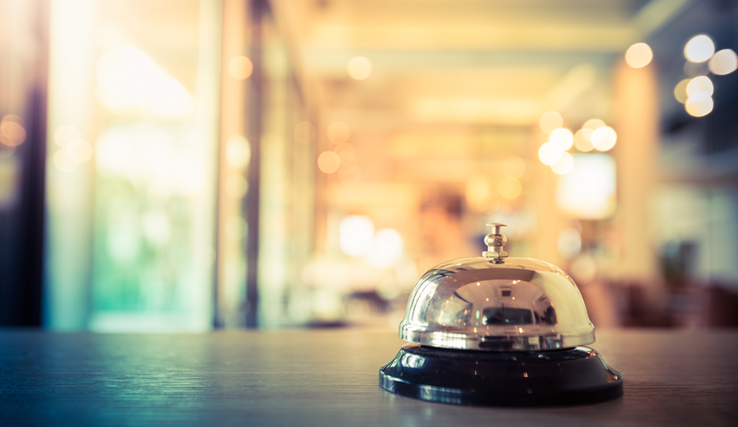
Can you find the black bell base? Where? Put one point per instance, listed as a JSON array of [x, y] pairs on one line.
[[501, 378]]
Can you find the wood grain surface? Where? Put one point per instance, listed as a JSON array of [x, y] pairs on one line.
[[329, 378]]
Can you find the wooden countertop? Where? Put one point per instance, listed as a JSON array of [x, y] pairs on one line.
[[330, 378]]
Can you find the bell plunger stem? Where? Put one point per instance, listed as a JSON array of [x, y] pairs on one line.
[[495, 242]]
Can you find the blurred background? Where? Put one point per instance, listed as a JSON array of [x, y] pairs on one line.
[[184, 165]]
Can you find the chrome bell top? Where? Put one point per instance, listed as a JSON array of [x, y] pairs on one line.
[[497, 303]]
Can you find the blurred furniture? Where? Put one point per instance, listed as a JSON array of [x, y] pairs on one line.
[[721, 306], [329, 377]]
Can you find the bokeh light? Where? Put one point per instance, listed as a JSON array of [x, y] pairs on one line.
[[639, 55], [550, 121], [12, 132], [329, 162], [604, 138], [588, 191], [304, 132], [584, 268], [79, 150], [593, 124], [240, 67], [355, 235], [238, 151], [565, 165], [338, 132], [699, 48], [480, 195], [700, 104], [569, 242], [63, 162], [359, 68], [510, 188], [700, 84], [513, 167], [13, 118], [550, 153], [680, 91], [723, 62], [386, 250], [346, 152], [65, 133], [583, 140], [563, 137]]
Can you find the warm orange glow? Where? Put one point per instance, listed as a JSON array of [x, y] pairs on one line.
[[564, 165], [639, 55], [79, 150], [699, 48], [700, 84], [349, 175], [236, 186], [680, 91], [338, 132], [359, 68], [346, 152], [723, 62], [509, 188], [12, 118], [480, 195], [513, 167], [12, 132], [550, 121], [550, 153], [604, 138], [562, 137], [240, 67], [593, 124], [583, 140], [477, 193], [329, 162], [700, 104], [304, 132]]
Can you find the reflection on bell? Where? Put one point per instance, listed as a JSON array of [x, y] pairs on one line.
[[495, 330]]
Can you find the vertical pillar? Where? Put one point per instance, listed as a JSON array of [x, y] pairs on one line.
[[635, 97], [231, 260], [252, 201], [69, 193], [548, 214]]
